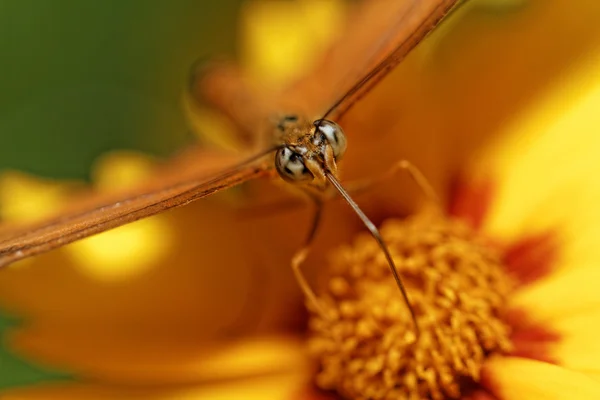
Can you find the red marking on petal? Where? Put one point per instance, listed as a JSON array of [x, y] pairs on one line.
[[517, 319], [297, 319], [531, 340], [488, 380], [533, 350], [531, 258], [314, 393], [472, 390], [470, 201], [479, 394]]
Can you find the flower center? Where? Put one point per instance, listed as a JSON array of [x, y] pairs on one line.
[[457, 287]]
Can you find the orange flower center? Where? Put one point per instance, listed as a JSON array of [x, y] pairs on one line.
[[457, 287]]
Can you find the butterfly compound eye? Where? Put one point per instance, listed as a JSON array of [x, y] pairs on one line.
[[334, 135], [290, 166]]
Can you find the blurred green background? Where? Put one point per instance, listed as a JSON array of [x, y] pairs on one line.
[[81, 77]]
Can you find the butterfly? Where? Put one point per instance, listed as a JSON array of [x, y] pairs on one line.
[[302, 151]]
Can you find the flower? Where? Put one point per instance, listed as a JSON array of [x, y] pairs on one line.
[[367, 345], [159, 334], [530, 339]]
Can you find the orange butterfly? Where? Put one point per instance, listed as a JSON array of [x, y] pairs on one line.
[[305, 151]]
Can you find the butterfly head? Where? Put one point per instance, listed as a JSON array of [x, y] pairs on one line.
[[308, 157]]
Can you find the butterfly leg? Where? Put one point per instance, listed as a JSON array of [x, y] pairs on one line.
[[417, 176], [299, 258], [355, 188]]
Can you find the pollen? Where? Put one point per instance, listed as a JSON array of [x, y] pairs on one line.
[[364, 338]]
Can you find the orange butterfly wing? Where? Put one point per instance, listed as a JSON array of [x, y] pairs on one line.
[[185, 179], [380, 35]]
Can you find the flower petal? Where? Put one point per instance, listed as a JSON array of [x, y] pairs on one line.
[[28, 198], [570, 292], [546, 168], [531, 258], [578, 347], [281, 39], [313, 393], [470, 201], [523, 379], [140, 359], [274, 387], [555, 319]]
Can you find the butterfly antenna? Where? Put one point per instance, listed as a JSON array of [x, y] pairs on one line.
[[377, 236]]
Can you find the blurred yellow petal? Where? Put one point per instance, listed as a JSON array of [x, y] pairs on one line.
[[211, 126], [158, 358], [188, 297], [545, 169], [578, 348], [571, 292], [280, 386], [493, 66], [121, 169], [280, 39], [558, 321], [126, 251], [516, 378], [132, 249], [27, 198]]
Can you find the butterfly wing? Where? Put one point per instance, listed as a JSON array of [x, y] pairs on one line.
[[225, 88], [187, 178], [382, 33], [379, 35]]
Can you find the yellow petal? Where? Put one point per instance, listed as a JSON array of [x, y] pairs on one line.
[[121, 169], [522, 379], [572, 291], [157, 358], [578, 347], [27, 198], [190, 294], [158, 276], [490, 68], [113, 255], [129, 250], [546, 166], [124, 252], [281, 386], [558, 320], [281, 39]]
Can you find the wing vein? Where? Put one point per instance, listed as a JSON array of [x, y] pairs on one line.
[[58, 232], [358, 90]]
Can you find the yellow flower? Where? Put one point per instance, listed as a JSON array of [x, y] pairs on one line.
[[509, 312], [165, 327]]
